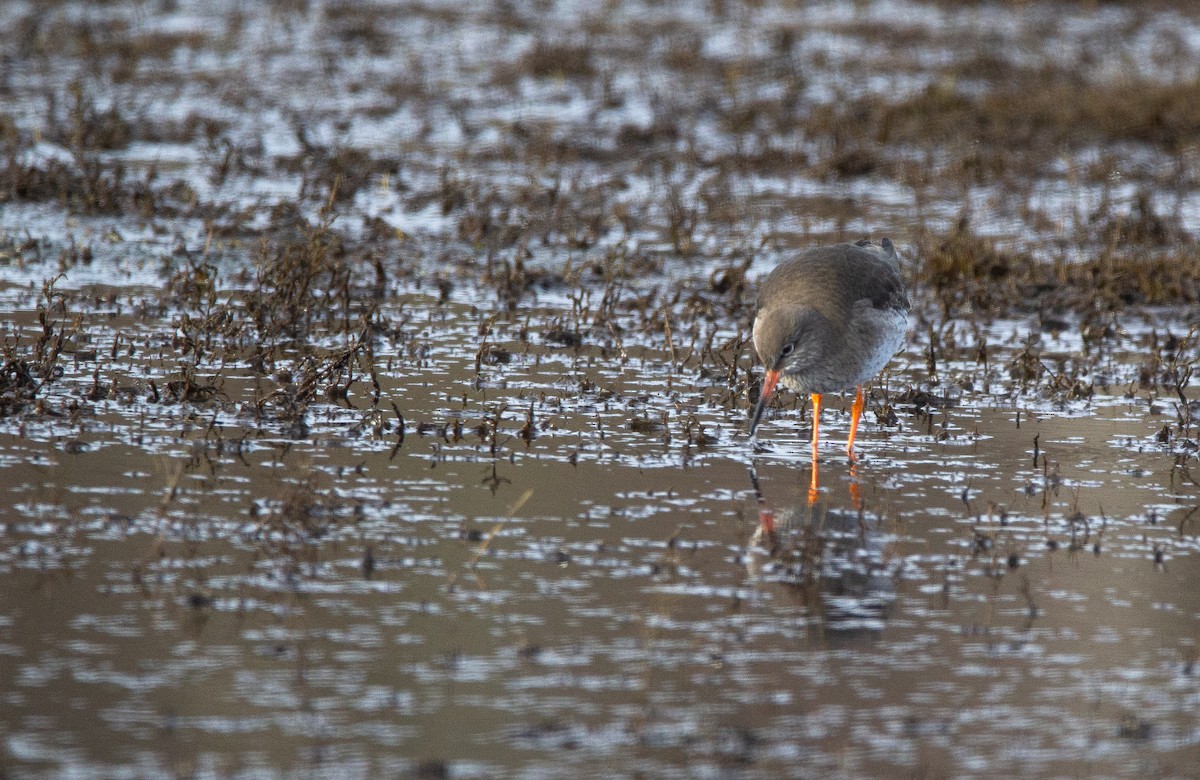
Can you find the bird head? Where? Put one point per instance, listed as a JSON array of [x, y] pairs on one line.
[[789, 340]]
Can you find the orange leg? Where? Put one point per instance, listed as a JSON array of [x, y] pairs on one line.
[[856, 411], [816, 415], [816, 420]]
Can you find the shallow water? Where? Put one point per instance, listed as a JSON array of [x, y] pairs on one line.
[[600, 595], [544, 545]]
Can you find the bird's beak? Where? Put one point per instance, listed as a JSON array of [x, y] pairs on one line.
[[764, 397]]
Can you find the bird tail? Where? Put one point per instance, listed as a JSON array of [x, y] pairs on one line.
[[885, 246]]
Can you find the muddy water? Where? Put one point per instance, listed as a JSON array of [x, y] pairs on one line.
[[1015, 592], [525, 534]]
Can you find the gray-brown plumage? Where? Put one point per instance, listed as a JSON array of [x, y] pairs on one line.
[[828, 320]]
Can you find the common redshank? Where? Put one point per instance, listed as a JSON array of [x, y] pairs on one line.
[[828, 320]]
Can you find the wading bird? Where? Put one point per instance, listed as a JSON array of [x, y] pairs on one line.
[[829, 320]]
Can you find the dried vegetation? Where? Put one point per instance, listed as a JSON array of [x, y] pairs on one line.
[[642, 188]]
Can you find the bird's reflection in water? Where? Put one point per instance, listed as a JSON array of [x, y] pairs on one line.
[[833, 560]]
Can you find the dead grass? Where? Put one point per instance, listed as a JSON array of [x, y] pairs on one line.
[[30, 363], [1042, 113], [557, 59], [596, 208], [967, 272]]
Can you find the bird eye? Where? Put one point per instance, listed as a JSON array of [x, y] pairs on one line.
[[787, 349]]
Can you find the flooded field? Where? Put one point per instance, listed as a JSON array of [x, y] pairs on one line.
[[375, 380]]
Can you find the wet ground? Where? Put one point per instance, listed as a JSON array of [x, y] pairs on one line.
[[375, 379]]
